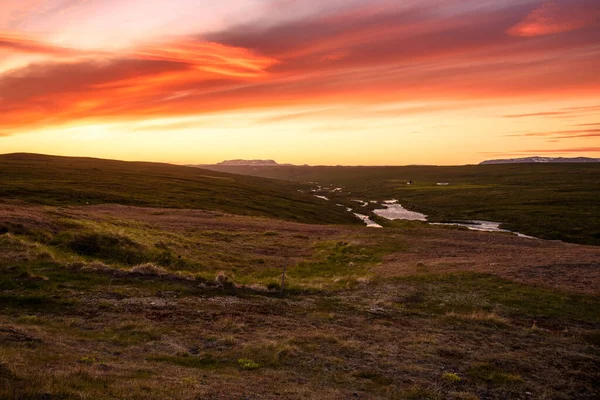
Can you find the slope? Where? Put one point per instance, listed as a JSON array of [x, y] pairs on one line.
[[53, 180]]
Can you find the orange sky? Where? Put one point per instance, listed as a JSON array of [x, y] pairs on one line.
[[380, 82]]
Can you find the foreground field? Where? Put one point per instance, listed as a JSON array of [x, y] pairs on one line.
[[550, 201], [117, 302]]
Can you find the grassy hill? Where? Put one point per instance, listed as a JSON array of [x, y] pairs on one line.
[[114, 301], [551, 201], [52, 180]]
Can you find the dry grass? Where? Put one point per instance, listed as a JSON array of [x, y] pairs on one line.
[[149, 269], [564, 266], [378, 330], [479, 316]]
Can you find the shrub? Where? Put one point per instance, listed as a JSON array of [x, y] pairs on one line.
[[247, 364], [106, 246], [489, 373], [95, 266], [149, 269], [88, 360], [451, 377]]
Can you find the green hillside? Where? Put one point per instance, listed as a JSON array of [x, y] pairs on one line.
[[51, 180]]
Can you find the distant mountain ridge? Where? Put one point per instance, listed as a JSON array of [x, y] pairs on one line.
[[525, 160], [249, 162]]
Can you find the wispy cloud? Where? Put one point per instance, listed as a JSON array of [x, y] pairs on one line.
[[533, 152], [350, 56], [17, 43], [564, 134], [536, 114], [560, 113], [558, 16]]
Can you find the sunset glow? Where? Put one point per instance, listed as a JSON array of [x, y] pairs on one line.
[[379, 82]]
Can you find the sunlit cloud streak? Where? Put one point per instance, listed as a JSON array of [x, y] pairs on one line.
[[537, 114], [566, 134], [24, 45], [564, 151], [558, 16]]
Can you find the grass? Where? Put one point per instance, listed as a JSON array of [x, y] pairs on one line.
[[385, 339], [106, 301], [490, 374], [475, 297], [247, 364], [52, 180], [551, 201]]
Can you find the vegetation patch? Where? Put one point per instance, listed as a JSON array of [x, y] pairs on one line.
[[110, 247], [334, 258], [473, 296], [247, 364], [451, 377], [491, 374], [269, 353]]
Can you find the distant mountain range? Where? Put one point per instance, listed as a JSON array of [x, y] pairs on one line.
[[541, 160], [242, 163], [524, 160], [249, 162]]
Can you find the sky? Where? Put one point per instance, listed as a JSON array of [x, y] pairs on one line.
[[337, 82]]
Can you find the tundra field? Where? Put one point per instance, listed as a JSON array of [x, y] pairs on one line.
[[151, 281]]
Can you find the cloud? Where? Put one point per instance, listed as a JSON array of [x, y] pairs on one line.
[[381, 36], [537, 114], [590, 149], [583, 109], [151, 80], [564, 151], [560, 113], [347, 58], [558, 16], [564, 134], [45, 80], [15, 43]]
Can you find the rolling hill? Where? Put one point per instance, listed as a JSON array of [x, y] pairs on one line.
[[53, 180]]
